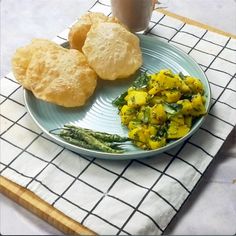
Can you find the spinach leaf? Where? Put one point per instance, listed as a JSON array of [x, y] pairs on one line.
[[162, 132], [120, 100], [146, 117], [141, 81], [181, 75], [187, 96], [172, 108]]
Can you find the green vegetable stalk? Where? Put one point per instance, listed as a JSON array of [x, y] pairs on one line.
[[93, 140]]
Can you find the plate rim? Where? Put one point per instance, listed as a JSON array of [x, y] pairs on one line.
[[126, 155]]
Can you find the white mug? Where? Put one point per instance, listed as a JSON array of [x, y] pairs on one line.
[[135, 14]]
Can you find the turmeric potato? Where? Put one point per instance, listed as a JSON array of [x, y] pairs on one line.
[[164, 107]]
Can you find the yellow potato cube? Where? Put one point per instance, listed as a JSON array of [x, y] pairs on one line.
[[188, 121], [157, 114], [166, 82], [134, 124], [154, 90], [127, 114], [136, 98], [165, 79], [187, 107], [194, 84], [179, 119], [152, 130], [171, 96], [176, 131], [155, 144], [198, 105], [156, 100], [138, 134], [184, 87]]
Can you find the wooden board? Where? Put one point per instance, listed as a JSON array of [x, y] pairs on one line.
[[196, 23], [33, 203]]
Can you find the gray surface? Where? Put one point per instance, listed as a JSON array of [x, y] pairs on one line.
[[217, 13], [212, 208]]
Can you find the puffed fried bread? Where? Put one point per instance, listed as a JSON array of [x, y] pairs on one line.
[[55, 74], [23, 55], [112, 51], [79, 30]]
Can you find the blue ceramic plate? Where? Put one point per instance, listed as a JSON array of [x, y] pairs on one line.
[[99, 113]]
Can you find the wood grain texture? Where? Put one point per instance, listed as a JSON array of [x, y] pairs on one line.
[[196, 23], [42, 209]]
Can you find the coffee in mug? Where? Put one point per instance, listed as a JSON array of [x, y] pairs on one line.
[[135, 14]]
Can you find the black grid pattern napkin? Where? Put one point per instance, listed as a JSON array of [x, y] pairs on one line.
[[123, 197]]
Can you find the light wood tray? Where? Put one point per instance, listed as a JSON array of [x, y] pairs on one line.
[[33, 203], [42, 209]]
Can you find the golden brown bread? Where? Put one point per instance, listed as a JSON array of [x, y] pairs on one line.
[[112, 51], [67, 77], [79, 30], [23, 55], [55, 74]]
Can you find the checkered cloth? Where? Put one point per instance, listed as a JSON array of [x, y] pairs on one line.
[[123, 197]]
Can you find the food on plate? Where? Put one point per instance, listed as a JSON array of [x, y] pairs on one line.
[[23, 55], [79, 30], [112, 51], [55, 74], [89, 139], [68, 77], [161, 107], [62, 77]]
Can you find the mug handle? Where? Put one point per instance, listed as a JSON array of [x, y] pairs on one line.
[[154, 2]]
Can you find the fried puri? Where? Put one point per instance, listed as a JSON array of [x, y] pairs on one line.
[[112, 51], [79, 30], [55, 74], [23, 55]]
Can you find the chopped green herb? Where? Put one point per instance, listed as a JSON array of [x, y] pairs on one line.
[[162, 132], [172, 108], [187, 96], [146, 115], [120, 101], [181, 75], [141, 81]]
